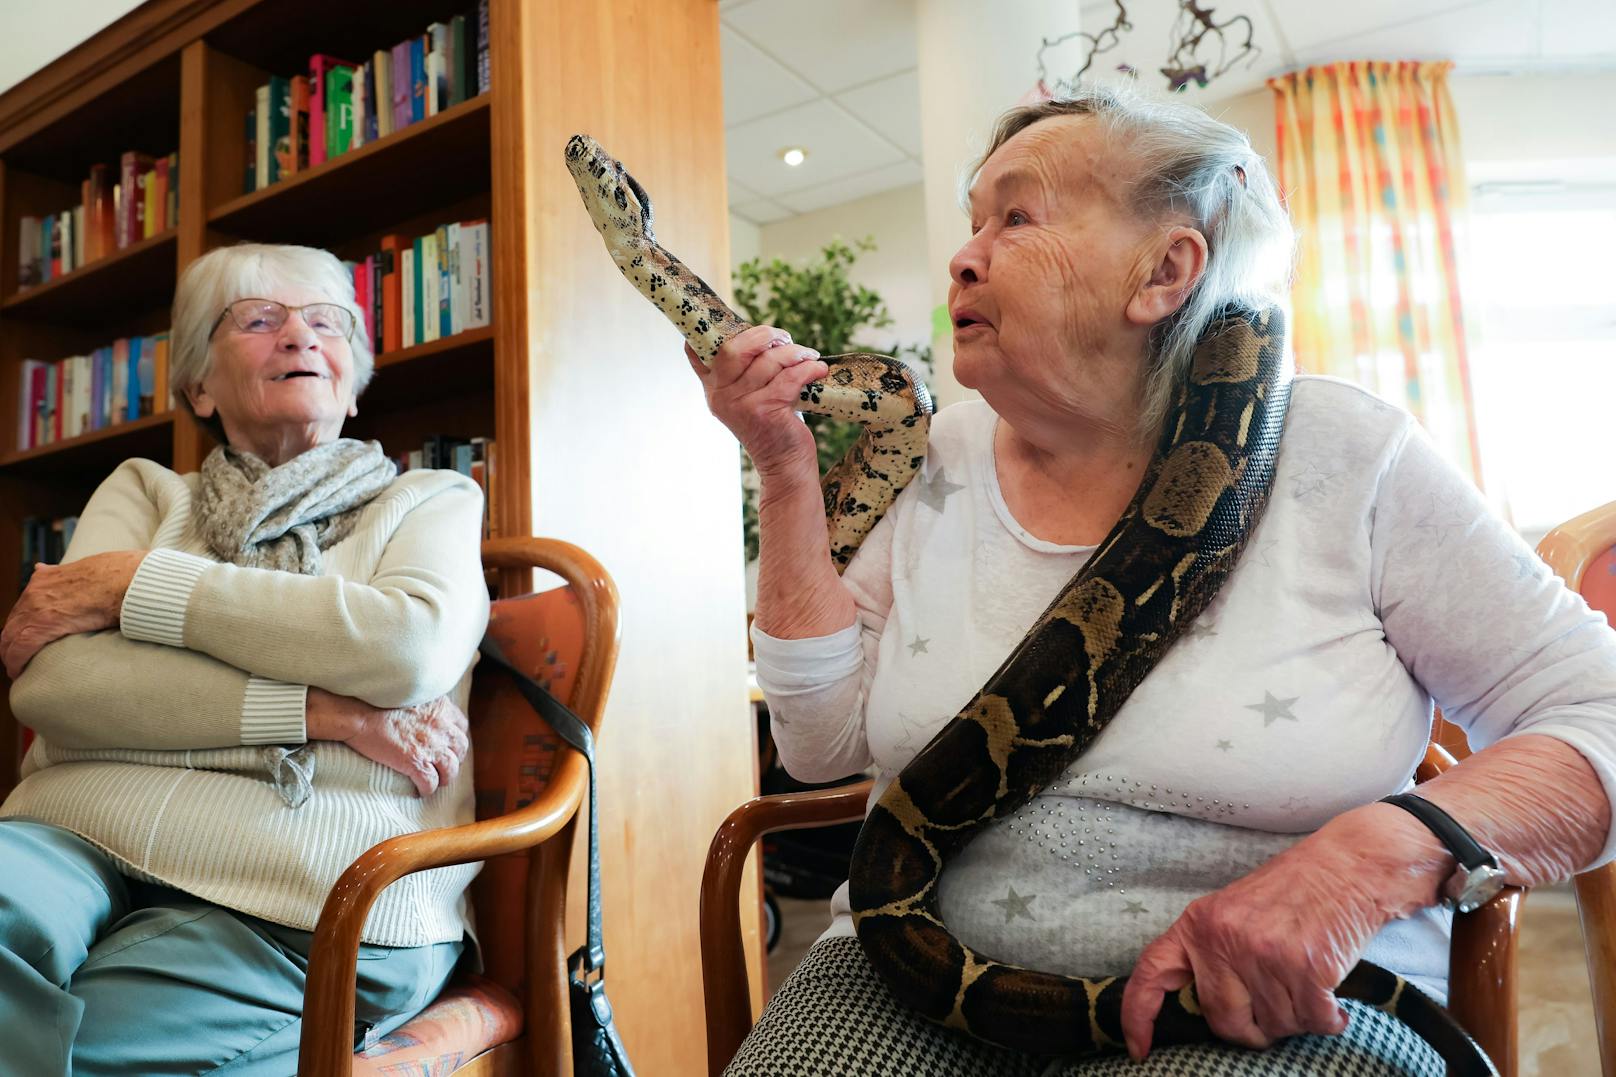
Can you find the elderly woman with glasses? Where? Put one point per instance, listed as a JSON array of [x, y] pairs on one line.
[[240, 679]]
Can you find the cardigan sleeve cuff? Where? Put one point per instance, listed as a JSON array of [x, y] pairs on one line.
[[154, 606], [273, 712]]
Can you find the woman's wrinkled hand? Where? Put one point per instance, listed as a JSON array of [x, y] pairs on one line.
[[65, 600], [426, 743], [1267, 951], [754, 387]]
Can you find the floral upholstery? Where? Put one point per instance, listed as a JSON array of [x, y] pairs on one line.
[[472, 1015]]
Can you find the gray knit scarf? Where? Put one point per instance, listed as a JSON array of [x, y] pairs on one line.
[[256, 516]]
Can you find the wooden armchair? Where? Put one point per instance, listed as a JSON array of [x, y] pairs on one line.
[[1482, 962], [513, 1018]]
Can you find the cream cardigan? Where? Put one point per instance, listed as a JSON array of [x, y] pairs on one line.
[[157, 742]]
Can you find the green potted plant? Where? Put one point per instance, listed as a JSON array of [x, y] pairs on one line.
[[821, 308]]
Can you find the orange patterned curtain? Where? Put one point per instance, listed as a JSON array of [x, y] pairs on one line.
[[1369, 162]]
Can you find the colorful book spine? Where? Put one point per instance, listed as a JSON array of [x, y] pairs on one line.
[[249, 179], [264, 144], [445, 291], [407, 295], [482, 46], [400, 85], [300, 123], [417, 80], [478, 310], [339, 120], [381, 66], [427, 261], [282, 152]]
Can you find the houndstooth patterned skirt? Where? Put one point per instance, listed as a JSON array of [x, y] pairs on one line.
[[834, 1018]]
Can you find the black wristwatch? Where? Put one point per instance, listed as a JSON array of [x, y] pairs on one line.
[[1478, 876]]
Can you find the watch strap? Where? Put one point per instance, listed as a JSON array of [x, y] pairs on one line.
[[1465, 849]]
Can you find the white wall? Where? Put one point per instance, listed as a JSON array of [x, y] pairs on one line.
[[745, 240], [34, 34], [896, 269], [1522, 126]]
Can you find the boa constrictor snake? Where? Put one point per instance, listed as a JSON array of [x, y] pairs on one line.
[[1159, 567]]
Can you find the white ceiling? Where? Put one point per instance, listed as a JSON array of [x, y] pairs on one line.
[[839, 77]]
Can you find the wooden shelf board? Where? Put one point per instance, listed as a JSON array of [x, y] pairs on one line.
[[140, 113], [449, 366], [107, 290], [99, 450], [438, 160]]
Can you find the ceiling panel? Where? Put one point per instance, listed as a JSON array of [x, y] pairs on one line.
[[762, 211], [875, 181], [754, 84], [1495, 31], [1312, 26], [838, 146], [891, 106], [834, 44], [1576, 27]]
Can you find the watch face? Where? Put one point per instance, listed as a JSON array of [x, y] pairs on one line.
[[1470, 889]]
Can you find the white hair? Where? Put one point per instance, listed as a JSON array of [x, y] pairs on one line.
[[1189, 165], [247, 271]]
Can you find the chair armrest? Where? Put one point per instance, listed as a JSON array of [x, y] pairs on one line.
[[1483, 995], [725, 984], [326, 1049], [1596, 904]]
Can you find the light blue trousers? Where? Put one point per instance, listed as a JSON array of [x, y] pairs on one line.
[[101, 975]]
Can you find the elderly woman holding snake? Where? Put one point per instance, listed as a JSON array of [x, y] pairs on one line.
[[1217, 821], [241, 678]]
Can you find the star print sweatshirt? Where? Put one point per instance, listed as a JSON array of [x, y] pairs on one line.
[[1376, 583]]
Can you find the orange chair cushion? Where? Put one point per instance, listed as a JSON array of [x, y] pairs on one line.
[[1599, 584], [515, 753], [472, 1015]]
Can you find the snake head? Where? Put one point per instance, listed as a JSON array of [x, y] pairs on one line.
[[614, 198]]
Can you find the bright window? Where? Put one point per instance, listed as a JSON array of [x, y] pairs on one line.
[[1543, 296]]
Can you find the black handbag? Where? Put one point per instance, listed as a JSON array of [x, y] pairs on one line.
[[597, 1049]]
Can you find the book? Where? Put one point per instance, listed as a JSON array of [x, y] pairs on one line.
[[437, 44], [482, 46], [382, 65], [479, 286], [282, 159], [321, 65], [250, 177], [445, 292], [407, 290], [299, 157], [158, 210], [427, 261], [392, 295], [457, 287], [400, 85], [339, 120], [261, 108], [417, 80], [131, 223]]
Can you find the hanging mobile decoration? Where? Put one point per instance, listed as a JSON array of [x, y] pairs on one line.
[[1194, 28], [1104, 41]]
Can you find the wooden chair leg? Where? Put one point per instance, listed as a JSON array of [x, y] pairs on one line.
[[1482, 992]]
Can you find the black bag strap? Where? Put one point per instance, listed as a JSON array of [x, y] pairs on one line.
[[575, 731]]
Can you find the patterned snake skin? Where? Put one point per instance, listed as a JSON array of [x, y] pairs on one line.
[[1162, 563]]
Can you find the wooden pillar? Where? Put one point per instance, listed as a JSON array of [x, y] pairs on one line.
[[628, 463]]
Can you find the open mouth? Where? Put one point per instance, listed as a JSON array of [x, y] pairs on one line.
[[967, 322], [290, 374]]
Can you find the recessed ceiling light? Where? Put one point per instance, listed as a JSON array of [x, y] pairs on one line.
[[793, 155]]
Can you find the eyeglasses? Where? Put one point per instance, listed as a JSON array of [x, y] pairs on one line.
[[268, 316]]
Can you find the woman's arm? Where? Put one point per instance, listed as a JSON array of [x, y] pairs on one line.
[[402, 637], [1513, 658], [753, 388], [816, 686]]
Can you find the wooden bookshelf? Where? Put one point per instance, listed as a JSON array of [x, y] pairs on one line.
[[603, 436]]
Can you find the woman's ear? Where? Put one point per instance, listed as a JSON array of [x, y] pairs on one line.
[[201, 402], [1177, 264]]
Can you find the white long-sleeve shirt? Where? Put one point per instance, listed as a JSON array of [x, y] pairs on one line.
[[1376, 582]]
